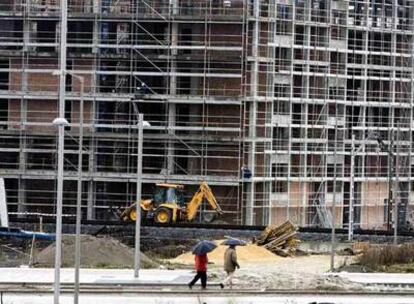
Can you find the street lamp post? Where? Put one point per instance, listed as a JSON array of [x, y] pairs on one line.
[[79, 183], [137, 256], [60, 122]]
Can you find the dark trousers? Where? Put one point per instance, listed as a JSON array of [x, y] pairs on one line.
[[200, 275]]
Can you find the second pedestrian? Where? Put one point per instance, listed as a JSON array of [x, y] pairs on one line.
[[230, 265]]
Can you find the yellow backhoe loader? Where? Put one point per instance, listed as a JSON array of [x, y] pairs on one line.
[[168, 205]]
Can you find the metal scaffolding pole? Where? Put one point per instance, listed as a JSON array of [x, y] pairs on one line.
[[60, 122], [333, 223], [354, 151], [79, 194], [390, 194], [137, 256], [396, 187], [351, 192]]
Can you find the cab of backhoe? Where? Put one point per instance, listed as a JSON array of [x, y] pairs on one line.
[[168, 193], [168, 201]]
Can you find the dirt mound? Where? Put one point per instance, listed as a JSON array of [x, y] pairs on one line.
[[102, 252], [245, 254]]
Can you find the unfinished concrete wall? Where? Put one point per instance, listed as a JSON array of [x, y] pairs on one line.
[[372, 199]]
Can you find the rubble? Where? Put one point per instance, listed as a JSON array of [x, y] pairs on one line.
[[280, 240]]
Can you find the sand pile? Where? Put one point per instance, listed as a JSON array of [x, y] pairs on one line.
[[102, 252], [245, 254]]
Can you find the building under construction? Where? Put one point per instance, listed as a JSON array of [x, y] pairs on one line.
[[285, 107]]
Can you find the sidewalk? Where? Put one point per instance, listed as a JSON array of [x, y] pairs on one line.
[[378, 278], [167, 277], [96, 276]]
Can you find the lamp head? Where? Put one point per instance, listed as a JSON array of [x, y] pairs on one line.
[[60, 121]]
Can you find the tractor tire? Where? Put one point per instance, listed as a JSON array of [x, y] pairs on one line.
[[133, 215], [163, 215]]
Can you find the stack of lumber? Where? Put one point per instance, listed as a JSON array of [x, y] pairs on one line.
[[280, 240], [360, 247]]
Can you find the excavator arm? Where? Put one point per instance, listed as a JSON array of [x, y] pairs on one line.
[[204, 192]]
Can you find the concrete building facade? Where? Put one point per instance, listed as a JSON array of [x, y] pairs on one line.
[[313, 99]]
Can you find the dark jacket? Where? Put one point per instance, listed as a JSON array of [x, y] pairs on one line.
[[230, 260]]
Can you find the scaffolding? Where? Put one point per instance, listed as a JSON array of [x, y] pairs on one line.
[[343, 71], [180, 63], [280, 87]]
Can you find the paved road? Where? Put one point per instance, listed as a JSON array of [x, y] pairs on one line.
[[211, 299]]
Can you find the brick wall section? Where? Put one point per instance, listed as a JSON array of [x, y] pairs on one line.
[[14, 113], [38, 111], [82, 64], [41, 81], [224, 87], [224, 116], [45, 111], [87, 114], [36, 81], [226, 35], [42, 111], [221, 162]]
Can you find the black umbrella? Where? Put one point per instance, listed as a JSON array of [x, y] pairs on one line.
[[204, 247], [234, 242]]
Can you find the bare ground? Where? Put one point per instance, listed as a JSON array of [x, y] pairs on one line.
[[305, 272], [102, 252]]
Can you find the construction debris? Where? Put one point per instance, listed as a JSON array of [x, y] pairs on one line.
[[280, 240], [360, 247]]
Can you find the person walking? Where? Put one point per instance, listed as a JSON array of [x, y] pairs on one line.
[[201, 269], [230, 265]]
